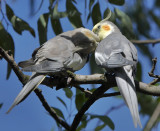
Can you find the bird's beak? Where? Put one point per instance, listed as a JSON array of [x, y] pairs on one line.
[[94, 31]]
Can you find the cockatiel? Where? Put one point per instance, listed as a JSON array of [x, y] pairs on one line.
[[118, 55], [67, 51]]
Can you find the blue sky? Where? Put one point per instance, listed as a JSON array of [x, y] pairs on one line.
[[30, 115]]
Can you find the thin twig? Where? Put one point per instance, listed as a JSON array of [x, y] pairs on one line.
[[151, 73], [145, 41], [87, 92], [110, 94]]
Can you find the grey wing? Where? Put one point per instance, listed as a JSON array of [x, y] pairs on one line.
[[117, 60], [115, 51], [51, 56], [45, 66]]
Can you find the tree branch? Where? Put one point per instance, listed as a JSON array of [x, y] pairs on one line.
[[145, 41]]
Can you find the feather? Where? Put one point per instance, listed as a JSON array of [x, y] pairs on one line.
[[32, 84], [126, 86]]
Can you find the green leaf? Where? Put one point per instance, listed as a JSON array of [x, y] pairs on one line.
[[62, 102], [99, 128], [105, 119], [51, 2], [91, 2], [56, 25], [18, 24], [80, 99], [42, 28], [96, 14], [59, 112], [68, 92], [117, 2], [126, 23], [1, 105], [143, 23], [7, 43], [155, 18], [74, 15], [158, 99], [145, 103], [56, 14], [157, 3]]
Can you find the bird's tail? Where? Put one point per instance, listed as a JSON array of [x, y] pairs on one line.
[[32, 83], [126, 85]]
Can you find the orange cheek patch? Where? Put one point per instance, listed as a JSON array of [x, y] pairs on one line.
[[106, 27], [88, 34]]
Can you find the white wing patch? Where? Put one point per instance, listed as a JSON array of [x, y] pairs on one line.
[[100, 58]]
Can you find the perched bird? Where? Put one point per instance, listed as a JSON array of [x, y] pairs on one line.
[[67, 51], [118, 55]]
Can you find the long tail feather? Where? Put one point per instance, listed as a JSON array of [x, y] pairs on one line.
[[126, 86], [33, 82]]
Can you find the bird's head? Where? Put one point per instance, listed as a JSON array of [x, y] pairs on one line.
[[104, 28]]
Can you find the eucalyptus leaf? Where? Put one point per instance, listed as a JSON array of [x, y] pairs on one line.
[[91, 2], [42, 28], [74, 15], [59, 112], [157, 3], [96, 14], [56, 26], [56, 14], [18, 24], [126, 23], [117, 2], [105, 119], [99, 128], [7, 43], [68, 92], [80, 99], [155, 18], [62, 102], [145, 103]]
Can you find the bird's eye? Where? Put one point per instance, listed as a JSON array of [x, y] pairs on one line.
[[99, 27]]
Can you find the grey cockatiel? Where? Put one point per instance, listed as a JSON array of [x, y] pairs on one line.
[[67, 51], [117, 54]]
